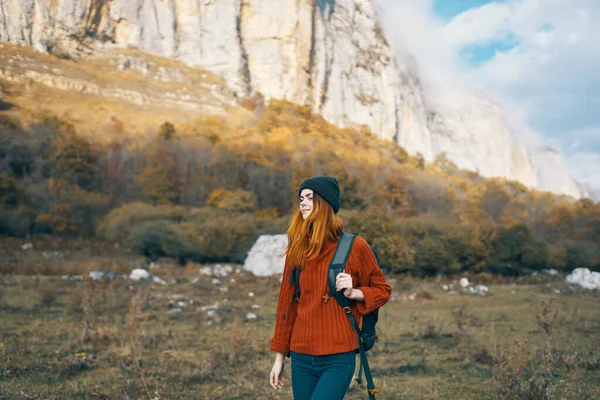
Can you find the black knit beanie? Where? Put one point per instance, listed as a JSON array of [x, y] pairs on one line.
[[325, 186]]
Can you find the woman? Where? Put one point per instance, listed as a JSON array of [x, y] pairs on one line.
[[314, 330]]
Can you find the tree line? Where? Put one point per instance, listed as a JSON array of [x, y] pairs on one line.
[[204, 191]]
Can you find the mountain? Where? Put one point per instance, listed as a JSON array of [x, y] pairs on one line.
[[329, 54]]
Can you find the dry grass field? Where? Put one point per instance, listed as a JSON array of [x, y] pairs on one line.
[[63, 337]]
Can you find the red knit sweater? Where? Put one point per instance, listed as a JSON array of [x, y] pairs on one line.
[[313, 326]]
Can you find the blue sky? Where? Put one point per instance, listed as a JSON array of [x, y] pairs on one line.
[[449, 9], [538, 58], [478, 53], [571, 129]]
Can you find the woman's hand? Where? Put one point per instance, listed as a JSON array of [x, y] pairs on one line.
[[343, 281], [276, 377]]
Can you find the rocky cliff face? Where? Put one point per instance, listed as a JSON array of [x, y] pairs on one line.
[[329, 54]]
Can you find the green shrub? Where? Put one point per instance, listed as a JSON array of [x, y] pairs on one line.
[[13, 223], [155, 239], [199, 234], [117, 225], [228, 237]]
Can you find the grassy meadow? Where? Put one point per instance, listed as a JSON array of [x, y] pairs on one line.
[[62, 337]]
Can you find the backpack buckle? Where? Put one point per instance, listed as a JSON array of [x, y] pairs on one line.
[[347, 310]]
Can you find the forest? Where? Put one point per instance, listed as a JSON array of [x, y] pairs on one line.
[[204, 191]]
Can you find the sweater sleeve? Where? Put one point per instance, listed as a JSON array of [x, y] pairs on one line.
[[286, 314], [368, 277]]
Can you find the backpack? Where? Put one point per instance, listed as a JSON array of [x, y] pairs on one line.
[[367, 334]]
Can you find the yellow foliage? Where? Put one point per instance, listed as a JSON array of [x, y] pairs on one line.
[[267, 213], [160, 180], [238, 200]]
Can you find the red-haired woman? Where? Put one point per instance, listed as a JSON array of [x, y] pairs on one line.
[[314, 331]]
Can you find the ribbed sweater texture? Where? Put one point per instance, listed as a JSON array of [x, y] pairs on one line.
[[313, 326]]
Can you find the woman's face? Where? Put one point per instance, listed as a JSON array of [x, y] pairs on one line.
[[306, 202]]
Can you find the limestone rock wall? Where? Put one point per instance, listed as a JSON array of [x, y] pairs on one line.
[[329, 54]]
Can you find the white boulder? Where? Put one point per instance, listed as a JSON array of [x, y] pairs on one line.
[[266, 256], [584, 278]]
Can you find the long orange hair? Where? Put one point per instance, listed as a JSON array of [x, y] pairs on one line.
[[307, 236]]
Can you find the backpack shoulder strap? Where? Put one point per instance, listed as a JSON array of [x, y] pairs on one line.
[[295, 278], [342, 252], [337, 265]]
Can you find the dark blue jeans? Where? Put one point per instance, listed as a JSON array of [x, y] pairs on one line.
[[322, 377]]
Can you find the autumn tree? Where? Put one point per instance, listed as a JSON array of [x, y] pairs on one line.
[[75, 159], [160, 180], [495, 199], [167, 131]]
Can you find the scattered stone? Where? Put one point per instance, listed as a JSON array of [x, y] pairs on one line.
[[255, 306], [216, 282], [100, 275], [222, 270], [482, 288], [72, 277], [479, 290], [138, 274], [551, 272], [448, 287], [195, 280], [212, 306], [251, 294], [476, 291], [56, 255], [156, 279], [218, 270], [251, 316], [27, 246]]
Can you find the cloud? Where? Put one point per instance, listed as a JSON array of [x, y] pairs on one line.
[[486, 24], [546, 79]]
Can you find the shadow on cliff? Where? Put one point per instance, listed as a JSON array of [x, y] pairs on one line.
[[326, 7], [5, 106]]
